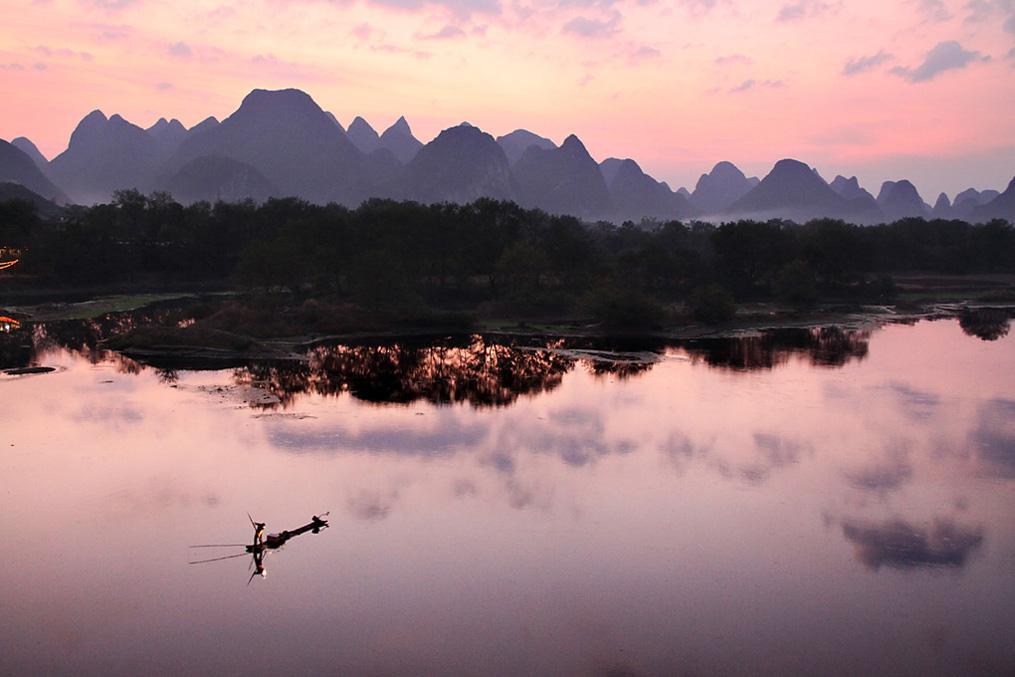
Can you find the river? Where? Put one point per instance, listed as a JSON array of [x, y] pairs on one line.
[[834, 502]]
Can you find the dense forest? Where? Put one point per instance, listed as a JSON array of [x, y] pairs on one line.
[[525, 261]]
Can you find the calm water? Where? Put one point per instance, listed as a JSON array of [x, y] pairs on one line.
[[834, 503]]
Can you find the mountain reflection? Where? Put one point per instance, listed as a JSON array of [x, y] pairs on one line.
[[899, 545], [823, 347]]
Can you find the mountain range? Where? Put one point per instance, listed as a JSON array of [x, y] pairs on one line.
[[281, 143]]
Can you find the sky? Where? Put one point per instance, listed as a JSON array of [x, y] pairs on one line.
[[915, 89]]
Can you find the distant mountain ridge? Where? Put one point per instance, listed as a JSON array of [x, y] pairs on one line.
[[281, 143]]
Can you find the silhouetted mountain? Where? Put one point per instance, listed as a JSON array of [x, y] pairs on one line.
[[46, 209], [298, 149], [636, 195], [17, 167], [218, 178], [792, 190], [399, 140], [720, 188], [168, 135], [461, 165], [105, 155], [209, 122], [942, 207], [290, 140], [335, 120], [1001, 207], [862, 201], [517, 142], [28, 148], [382, 170], [965, 202], [899, 200], [363, 136], [563, 180]]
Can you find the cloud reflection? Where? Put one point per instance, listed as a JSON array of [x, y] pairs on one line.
[[897, 544], [994, 437]]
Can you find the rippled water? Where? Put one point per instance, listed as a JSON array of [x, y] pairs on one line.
[[797, 502]]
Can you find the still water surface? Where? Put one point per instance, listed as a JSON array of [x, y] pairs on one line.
[[834, 503]]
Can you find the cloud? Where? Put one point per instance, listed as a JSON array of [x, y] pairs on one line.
[[865, 64], [944, 56], [748, 85], [733, 59], [899, 545], [459, 8], [805, 9], [644, 53], [362, 31], [994, 438], [448, 32], [112, 5], [984, 11], [40, 66], [12, 67], [181, 50], [395, 49], [935, 10], [697, 7], [164, 86], [592, 28]]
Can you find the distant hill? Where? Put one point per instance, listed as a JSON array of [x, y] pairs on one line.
[[720, 188], [282, 143], [1001, 207], [636, 195], [900, 199], [461, 165], [17, 167], [104, 155], [363, 136], [46, 209], [399, 140], [292, 142], [28, 148], [563, 180], [217, 178], [517, 142], [792, 190], [168, 134]]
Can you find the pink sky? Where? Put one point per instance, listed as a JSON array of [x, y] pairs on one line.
[[917, 89]]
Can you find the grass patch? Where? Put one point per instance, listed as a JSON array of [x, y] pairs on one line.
[[112, 304]]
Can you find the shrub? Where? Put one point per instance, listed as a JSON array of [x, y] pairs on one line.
[[711, 304]]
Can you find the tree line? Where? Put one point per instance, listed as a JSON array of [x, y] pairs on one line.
[[448, 255]]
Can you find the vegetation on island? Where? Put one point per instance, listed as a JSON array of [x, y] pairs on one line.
[[331, 269]]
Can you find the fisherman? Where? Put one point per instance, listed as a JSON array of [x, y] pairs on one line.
[[258, 535]]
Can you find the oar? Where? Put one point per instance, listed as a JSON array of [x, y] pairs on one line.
[[221, 545], [217, 559]]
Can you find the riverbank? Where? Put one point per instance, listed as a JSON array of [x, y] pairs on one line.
[[227, 327]]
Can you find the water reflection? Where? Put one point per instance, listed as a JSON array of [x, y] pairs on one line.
[[898, 544], [823, 347], [994, 437], [554, 536], [988, 324]]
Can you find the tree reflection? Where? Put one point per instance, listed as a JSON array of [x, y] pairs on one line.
[[899, 545], [477, 371], [822, 346], [987, 324]]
